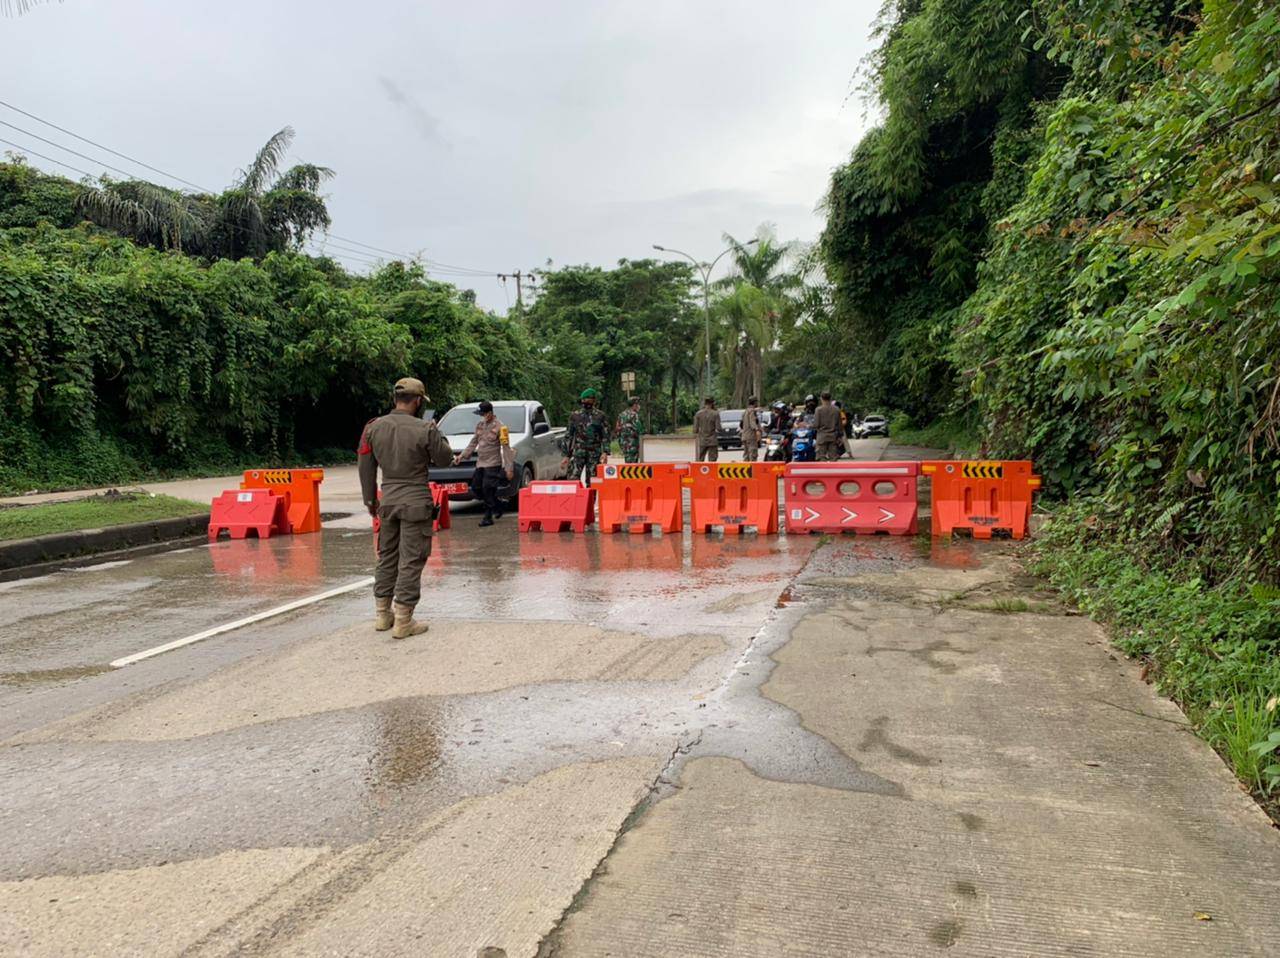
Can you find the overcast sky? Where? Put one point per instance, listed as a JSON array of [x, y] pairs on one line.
[[487, 135]]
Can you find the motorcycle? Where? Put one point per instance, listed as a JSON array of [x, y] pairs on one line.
[[804, 447], [777, 447]]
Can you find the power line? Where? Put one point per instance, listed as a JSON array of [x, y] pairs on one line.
[[446, 269], [27, 150], [85, 139], [67, 149]]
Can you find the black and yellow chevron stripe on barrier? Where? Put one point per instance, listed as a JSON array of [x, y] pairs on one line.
[[735, 470], [983, 470], [277, 477], [635, 472]]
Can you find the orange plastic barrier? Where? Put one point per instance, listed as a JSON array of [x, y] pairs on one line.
[[860, 497], [734, 495], [300, 489], [557, 507], [443, 520], [260, 511], [440, 496], [639, 498], [983, 497]]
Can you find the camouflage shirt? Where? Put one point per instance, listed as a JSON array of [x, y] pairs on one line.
[[586, 436], [629, 427]]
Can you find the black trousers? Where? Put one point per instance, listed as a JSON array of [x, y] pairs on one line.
[[489, 479]]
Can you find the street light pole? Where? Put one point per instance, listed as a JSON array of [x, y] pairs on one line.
[[705, 269]]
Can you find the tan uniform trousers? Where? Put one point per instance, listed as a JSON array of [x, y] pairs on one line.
[[403, 548]]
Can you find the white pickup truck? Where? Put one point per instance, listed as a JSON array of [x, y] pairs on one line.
[[535, 444]]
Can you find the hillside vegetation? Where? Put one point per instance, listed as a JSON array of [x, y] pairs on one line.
[[1065, 236]]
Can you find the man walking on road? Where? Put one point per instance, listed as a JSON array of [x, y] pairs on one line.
[[830, 432], [493, 460], [404, 447], [706, 429], [630, 431], [585, 441], [751, 431]]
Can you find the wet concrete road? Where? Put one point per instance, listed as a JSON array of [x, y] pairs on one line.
[[606, 745]]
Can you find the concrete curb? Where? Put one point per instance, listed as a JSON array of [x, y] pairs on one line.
[[18, 553]]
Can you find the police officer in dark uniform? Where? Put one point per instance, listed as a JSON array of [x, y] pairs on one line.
[[404, 447]]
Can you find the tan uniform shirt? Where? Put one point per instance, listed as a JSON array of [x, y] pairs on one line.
[[404, 447], [488, 446], [706, 423], [751, 425], [826, 423]]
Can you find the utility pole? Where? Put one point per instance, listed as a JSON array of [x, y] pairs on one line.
[[519, 276]]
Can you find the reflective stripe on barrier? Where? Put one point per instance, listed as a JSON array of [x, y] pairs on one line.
[[260, 511], [639, 498], [556, 507], [864, 498], [981, 496], [300, 489], [735, 496]]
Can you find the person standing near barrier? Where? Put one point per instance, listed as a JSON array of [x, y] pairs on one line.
[[830, 432], [585, 441], [706, 430], [494, 461], [404, 447], [630, 431], [751, 431]]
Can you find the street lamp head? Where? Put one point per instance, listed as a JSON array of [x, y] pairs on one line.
[[660, 249], [751, 242]]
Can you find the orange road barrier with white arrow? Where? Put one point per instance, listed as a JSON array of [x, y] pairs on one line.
[[862, 497]]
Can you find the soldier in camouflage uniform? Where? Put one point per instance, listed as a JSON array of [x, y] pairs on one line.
[[630, 431], [585, 441]]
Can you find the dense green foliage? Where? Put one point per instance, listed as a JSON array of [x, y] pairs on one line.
[[1067, 232], [123, 360], [638, 317], [1065, 236]]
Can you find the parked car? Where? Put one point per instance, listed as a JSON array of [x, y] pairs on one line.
[[534, 443], [872, 425], [730, 434]]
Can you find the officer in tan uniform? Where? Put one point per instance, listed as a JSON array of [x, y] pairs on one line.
[[706, 430], [492, 447], [751, 431], [829, 431], [404, 447]]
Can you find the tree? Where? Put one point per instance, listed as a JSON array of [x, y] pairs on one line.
[[264, 211], [602, 323], [758, 298]]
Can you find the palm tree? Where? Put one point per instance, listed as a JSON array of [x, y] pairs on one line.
[[264, 210], [762, 294], [747, 319]]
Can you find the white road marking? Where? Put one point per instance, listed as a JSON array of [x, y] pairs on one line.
[[241, 623]]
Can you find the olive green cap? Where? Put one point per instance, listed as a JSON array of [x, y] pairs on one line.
[[589, 394]]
